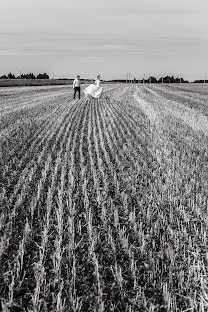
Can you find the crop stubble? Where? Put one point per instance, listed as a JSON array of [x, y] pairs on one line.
[[103, 204]]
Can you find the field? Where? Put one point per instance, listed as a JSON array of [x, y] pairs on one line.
[[104, 205], [32, 82]]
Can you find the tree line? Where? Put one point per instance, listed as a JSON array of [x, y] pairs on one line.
[[25, 76], [152, 79]]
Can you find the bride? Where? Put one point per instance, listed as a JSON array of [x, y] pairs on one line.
[[94, 90]]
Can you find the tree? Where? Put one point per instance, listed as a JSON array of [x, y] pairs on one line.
[[3, 77], [152, 79], [42, 76], [11, 76]]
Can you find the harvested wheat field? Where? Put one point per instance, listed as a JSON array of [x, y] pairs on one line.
[[104, 204]]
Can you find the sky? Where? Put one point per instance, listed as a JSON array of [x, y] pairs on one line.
[[107, 37]]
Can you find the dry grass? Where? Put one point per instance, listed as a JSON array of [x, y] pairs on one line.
[[103, 205]]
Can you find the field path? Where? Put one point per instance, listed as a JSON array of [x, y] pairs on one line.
[[104, 203]]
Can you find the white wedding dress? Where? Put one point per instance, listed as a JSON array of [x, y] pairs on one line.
[[94, 90]]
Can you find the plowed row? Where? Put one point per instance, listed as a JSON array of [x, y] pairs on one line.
[[103, 203]]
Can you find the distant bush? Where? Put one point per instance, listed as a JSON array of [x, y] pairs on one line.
[[11, 76], [151, 79], [201, 81], [3, 77], [25, 76], [42, 76]]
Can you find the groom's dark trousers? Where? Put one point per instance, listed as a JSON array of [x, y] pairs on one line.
[[76, 89]]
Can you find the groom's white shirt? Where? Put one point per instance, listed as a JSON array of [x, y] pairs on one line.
[[76, 83]]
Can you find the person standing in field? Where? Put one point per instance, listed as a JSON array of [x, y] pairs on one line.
[[94, 90], [77, 86]]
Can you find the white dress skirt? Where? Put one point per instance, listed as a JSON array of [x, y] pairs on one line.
[[94, 90]]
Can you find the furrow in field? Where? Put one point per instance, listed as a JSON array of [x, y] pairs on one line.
[[193, 88], [180, 144], [84, 266], [129, 110], [128, 156], [118, 212], [90, 191], [28, 91], [107, 165], [31, 175], [132, 117], [98, 214], [126, 240], [103, 148], [192, 100], [26, 166], [114, 166], [101, 182], [28, 102], [180, 169], [16, 118], [113, 139], [127, 159], [73, 209], [55, 176], [125, 163], [57, 200], [63, 257], [17, 156], [134, 139], [92, 178], [106, 149], [171, 108], [38, 138], [33, 120]]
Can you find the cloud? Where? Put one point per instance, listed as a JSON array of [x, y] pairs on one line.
[[158, 11], [59, 44], [93, 48], [22, 53], [92, 59], [159, 7]]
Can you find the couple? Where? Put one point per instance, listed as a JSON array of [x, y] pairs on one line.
[[92, 91]]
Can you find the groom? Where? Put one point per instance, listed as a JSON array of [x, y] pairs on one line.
[[77, 86]]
